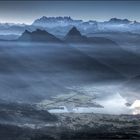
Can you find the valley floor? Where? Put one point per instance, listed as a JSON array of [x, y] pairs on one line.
[[72, 126]]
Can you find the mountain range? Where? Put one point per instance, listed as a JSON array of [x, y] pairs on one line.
[[60, 26]]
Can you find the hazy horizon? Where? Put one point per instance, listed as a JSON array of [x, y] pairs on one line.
[[27, 11], [66, 16]]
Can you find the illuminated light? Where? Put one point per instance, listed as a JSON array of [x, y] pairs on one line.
[[136, 107]]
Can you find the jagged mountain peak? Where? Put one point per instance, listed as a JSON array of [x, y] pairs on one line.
[[55, 21], [56, 18]]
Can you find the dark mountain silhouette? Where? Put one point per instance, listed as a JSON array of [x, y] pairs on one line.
[[74, 36], [38, 36], [74, 32]]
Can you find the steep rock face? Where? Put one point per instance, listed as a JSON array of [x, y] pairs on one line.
[[38, 36]]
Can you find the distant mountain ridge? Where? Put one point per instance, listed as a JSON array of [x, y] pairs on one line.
[[61, 25], [121, 21], [44, 21], [55, 21]]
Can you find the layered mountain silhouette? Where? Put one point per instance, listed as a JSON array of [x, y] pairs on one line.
[[73, 36], [38, 36]]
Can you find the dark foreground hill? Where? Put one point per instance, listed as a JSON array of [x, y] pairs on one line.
[[38, 36]]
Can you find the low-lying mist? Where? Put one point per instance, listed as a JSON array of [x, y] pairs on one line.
[[33, 72]]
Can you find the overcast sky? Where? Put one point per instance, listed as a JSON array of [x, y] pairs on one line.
[[27, 12]]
